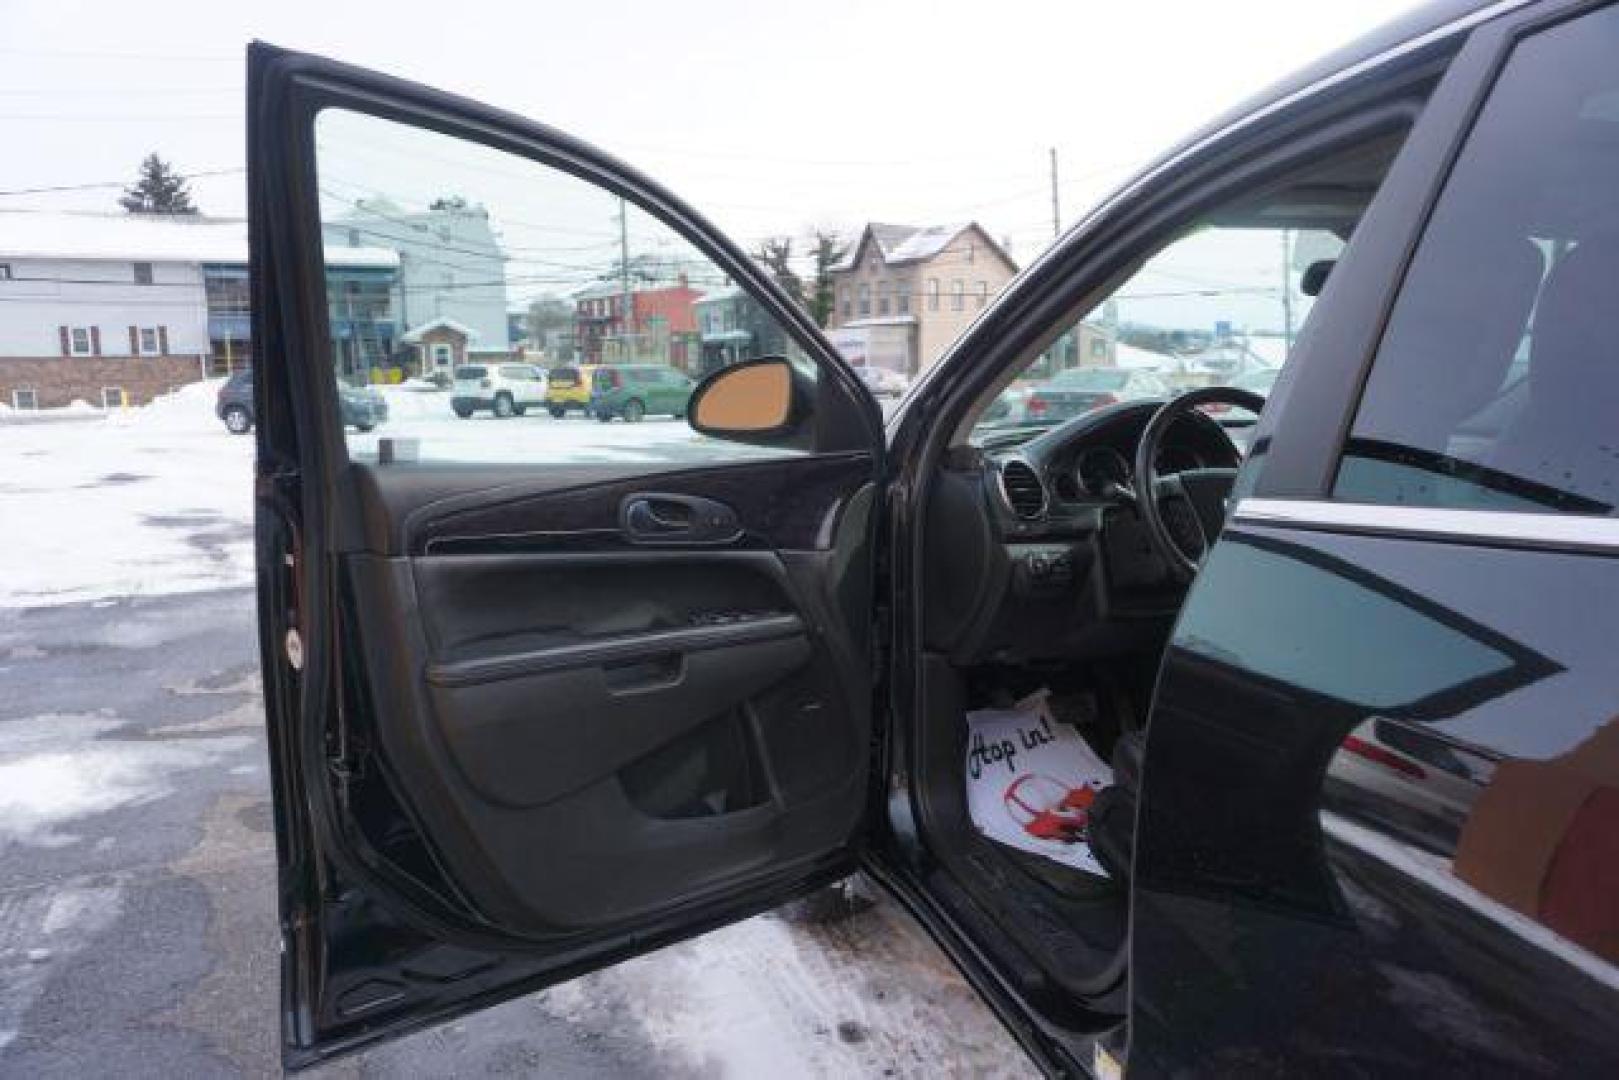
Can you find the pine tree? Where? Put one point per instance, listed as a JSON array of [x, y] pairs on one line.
[[160, 190]]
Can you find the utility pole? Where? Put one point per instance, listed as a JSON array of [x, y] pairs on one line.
[[624, 273], [1287, 289], [1056, 212]]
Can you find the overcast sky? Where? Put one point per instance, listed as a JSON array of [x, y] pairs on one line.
[[768, 117]]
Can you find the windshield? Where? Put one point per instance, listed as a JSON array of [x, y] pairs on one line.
[[1219, 306], [1090, 379], [1257, 381]]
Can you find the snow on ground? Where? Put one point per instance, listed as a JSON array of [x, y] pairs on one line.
[[93, 505], [159, 499], [789, 994]]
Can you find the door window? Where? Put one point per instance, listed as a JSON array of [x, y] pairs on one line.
[[1496, 385], [452, 235]]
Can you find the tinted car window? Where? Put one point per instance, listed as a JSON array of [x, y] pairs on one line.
[[1496, 385], [471, 372]]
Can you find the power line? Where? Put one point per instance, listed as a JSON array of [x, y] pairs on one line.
[[121, 91], [132, 118], [93, 185], [211, 58]]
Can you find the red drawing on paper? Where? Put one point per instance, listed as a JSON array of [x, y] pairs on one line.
[[1049, 809]]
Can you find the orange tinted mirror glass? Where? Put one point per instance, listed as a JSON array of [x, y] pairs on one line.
[[755, 398]]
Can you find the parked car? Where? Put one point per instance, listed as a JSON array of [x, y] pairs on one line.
[[360, 407], [503, 389], [532, 718], [634, 391], [1070, 393], [883, 382], [568, 388]]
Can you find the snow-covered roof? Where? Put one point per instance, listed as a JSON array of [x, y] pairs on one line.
[[148, 238], [416, 333], [596, 290], [926, 242], [908, 243]]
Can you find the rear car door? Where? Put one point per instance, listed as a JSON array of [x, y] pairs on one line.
[[1379, 829], [540, 696]]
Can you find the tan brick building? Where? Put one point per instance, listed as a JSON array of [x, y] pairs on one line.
[[903, 294]]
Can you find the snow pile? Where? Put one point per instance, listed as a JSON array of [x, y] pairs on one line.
[[190, 408]]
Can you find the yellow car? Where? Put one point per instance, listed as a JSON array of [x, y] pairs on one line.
[[569, 388]]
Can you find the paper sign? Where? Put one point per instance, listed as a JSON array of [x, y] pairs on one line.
[[1030, 783]]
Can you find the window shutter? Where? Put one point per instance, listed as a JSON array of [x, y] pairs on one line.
[[163, 340], [134, 341], [67, 346], [95, 341]]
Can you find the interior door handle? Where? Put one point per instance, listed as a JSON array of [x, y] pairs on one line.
[[659, 518]]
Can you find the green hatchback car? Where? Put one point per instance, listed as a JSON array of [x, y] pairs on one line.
[[636, 390]]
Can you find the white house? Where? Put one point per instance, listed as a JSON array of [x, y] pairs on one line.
[[114, 308], [98, 308], [450, 264]]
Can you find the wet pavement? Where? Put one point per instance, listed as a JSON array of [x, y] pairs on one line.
[[138, 928]]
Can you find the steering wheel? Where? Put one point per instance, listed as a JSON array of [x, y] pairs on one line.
[[1184, 511]]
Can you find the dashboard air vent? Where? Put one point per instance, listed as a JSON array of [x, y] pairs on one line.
[[1023, 490]]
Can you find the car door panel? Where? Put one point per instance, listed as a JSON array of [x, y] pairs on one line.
[[528, 715], [1329, 862], [580, 505], [549, 677]]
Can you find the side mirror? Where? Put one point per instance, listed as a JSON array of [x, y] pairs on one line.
[[765, 401]]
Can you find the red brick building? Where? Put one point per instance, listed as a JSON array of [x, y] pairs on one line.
[[662, 327]]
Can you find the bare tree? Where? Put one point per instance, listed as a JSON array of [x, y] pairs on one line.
[[776, 255], [827, 249]]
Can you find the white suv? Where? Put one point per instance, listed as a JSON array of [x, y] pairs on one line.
[[503, 389]]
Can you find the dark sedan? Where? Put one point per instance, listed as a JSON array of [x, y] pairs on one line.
[[361, 409]]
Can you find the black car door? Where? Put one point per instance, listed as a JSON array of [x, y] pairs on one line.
[[542, 693], [1381, 800]]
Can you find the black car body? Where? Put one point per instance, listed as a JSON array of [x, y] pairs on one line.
[[1363, 724], [359, 409]]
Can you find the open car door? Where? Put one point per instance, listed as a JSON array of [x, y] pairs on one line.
[[543, 692]]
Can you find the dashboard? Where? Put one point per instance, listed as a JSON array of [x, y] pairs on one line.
[[1034, 547]]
